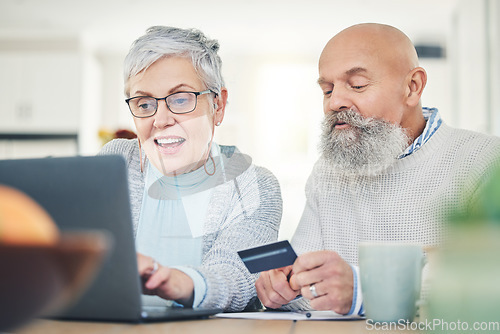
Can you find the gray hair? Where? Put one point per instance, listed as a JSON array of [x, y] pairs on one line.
[[160, 41]]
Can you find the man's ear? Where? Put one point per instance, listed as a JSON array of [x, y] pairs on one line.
[[416, 81]]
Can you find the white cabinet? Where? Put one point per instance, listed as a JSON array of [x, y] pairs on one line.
[[40, 92], [38, 148]]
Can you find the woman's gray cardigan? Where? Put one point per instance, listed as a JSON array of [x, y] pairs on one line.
[[244, 211]]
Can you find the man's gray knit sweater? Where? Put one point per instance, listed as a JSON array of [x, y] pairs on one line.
[[410, 202]]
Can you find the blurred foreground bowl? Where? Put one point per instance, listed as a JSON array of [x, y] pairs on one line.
[[40, 280]]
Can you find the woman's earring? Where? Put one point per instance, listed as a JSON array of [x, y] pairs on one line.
[[218, 123], [213, 164]]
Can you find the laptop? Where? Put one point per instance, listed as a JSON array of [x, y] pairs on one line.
[[92, 193]]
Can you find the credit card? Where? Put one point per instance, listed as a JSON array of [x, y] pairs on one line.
[[267, 257]]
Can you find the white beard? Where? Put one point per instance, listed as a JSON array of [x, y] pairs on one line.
[[367, 147]]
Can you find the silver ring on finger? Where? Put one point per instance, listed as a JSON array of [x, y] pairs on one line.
[[155, 267], [312, 288]]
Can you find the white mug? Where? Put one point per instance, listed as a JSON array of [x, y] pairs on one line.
[[390, 280]]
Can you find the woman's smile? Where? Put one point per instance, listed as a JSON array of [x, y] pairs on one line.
[[169, 144]]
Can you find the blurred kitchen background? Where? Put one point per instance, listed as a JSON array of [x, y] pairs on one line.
[[61, 86]]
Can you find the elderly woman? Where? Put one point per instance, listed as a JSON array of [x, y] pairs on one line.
[[195, 203]]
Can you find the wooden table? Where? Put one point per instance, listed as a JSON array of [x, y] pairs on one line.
[[208, 326]]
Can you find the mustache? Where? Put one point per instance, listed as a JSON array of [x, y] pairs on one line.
[[348, 116]]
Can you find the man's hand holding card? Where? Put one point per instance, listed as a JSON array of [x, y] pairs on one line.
[[274, 261], [272, 256]]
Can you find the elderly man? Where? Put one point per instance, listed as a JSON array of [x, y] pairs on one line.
[[390, 170]]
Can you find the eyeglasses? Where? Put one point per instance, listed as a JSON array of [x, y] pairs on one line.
[[178, 103]]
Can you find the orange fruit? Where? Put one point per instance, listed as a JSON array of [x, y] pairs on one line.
[[23, 221]]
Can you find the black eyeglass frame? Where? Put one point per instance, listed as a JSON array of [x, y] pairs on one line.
[[207, 91]]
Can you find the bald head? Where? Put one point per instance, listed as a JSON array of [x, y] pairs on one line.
[[390, 45], [373, 69]]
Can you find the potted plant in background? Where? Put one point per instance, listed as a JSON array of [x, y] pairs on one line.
[[465, 282]]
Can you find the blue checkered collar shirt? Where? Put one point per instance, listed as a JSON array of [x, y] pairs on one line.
[[433, 122]]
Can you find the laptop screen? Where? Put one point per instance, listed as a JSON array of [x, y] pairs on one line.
[[88, 193]]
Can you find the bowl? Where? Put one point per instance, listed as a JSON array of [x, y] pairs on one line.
[[42, 280]]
